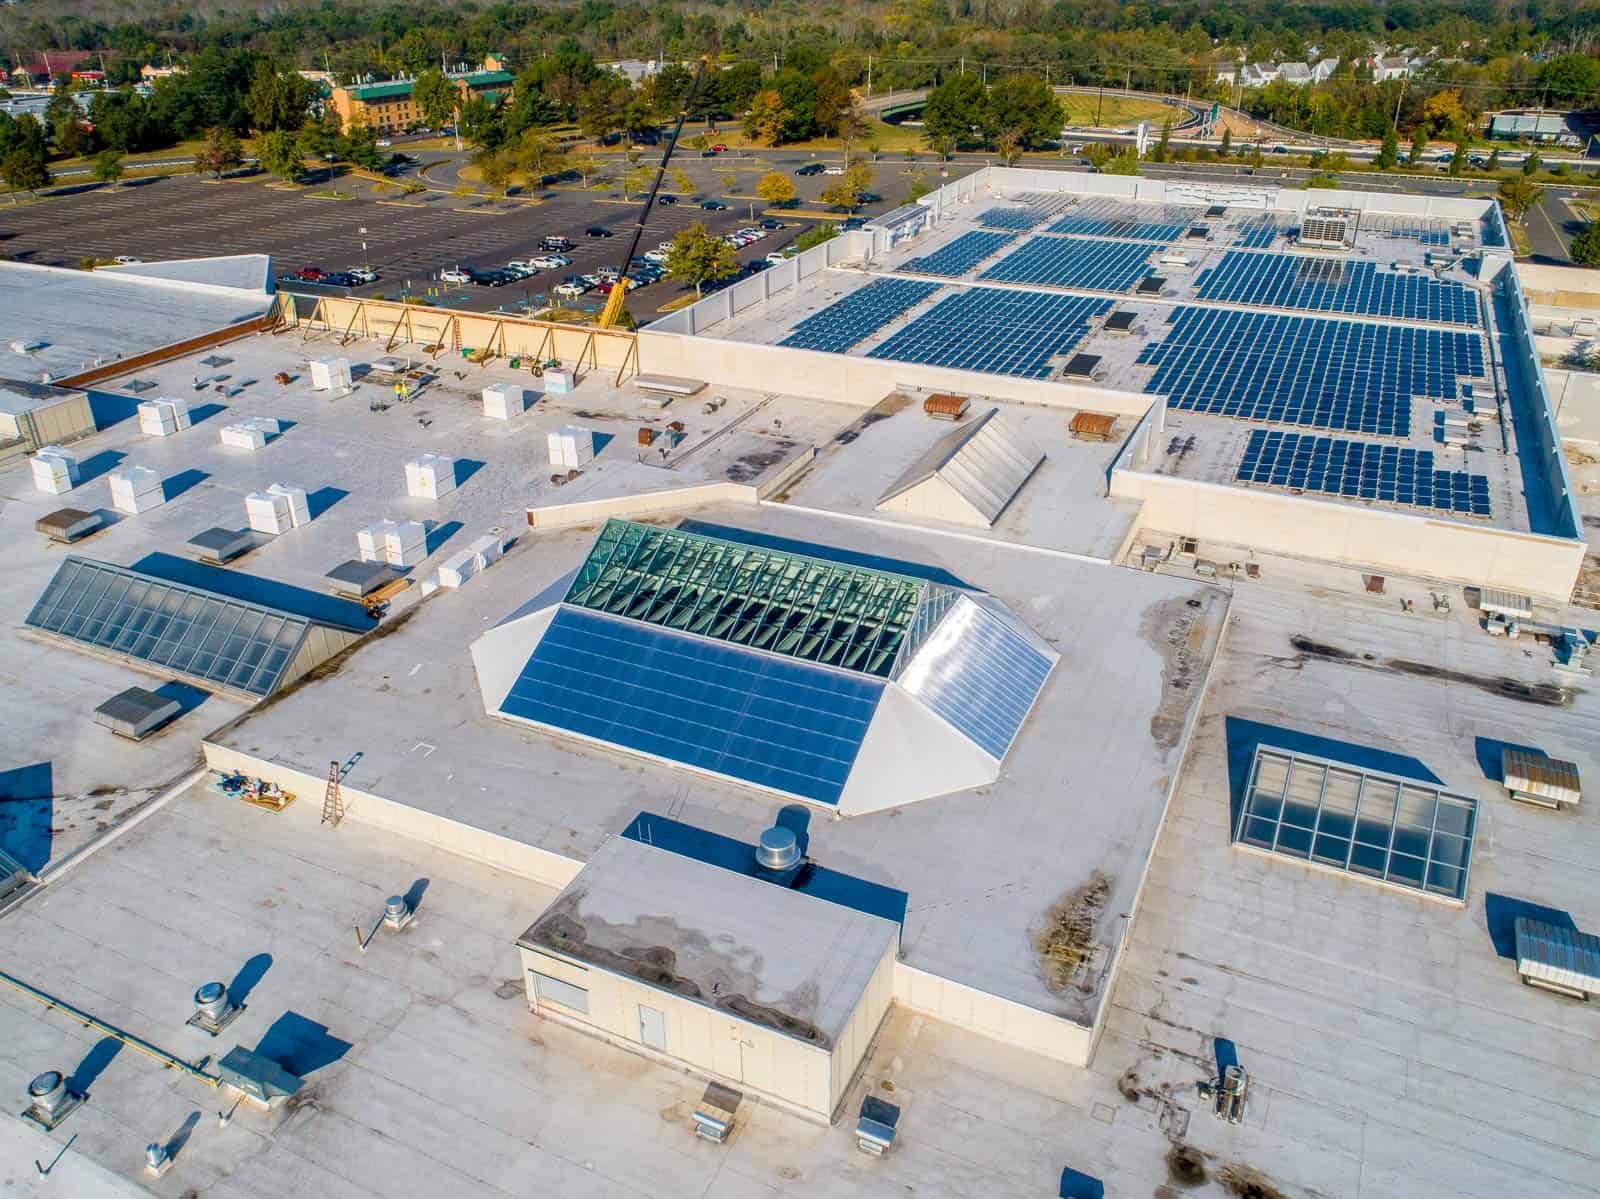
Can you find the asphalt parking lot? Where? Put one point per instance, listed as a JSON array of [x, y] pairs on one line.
[[408, 239]]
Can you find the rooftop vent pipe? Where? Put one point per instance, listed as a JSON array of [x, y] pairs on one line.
[[49, 1101]]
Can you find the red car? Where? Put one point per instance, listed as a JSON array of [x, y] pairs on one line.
[[310, 273], [719, 148]]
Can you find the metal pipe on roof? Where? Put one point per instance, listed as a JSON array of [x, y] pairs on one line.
[[171, 1061]]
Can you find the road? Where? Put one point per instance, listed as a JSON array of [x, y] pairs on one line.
[[1551, 226]]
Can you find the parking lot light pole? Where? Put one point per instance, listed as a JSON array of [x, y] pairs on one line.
[[365, 265]]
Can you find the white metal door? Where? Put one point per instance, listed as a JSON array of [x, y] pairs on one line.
[[652, 1028]]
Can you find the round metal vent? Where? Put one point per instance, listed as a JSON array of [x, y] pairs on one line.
[[779, 849]]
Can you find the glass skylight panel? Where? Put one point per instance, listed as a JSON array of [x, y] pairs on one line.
[[1393, 830]]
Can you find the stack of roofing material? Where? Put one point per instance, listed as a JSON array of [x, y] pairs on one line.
[[488, 550], [571, 445], [55, 470], [506, 400], [299, 506], [136, 489], [249, 434], [331, 374], [559, 380], [268, 512], [430, 476], [399, 543], [162, 417]]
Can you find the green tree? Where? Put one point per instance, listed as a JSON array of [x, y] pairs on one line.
[[318, 139], [1008, 146], [279, 152], [1163, 146], [1531, 164], [776, 188], [1419, 144], [697, 257], [24, 170], [435, 97], [1458, 160], [1517, 196], [1389, 152], [1227, 143], [1586, 245], [851, 126], [1442, 111], [766, 118], [277, 99], [637, 179], [1494, 160], [816, 235], [221, 153], [359, 147], [1124, 163], [108, 166], [536, 155], [1570, 79], [1022, 102], [954, 111], [681, 181], [493, 167]]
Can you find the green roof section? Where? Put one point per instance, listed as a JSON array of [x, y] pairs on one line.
[[806, 608], [402, 87]]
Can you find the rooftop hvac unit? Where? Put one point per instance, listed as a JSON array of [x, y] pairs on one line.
[[506, 400], [488, 550], [1536, 779], [430, 476], [257, 1078], [1329, 228], [778, 856], [1505, 603], [405, 543], [876, 1126], [136, 489], [559, 380], [946, 407], [243, 436], [218, 545], [571, 446], [331, 374], [714, 1114], [55, 470]]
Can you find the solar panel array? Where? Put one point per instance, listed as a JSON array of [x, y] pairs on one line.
[[858, 315], [1016, 219], [1429, 231], [1325, 284], [1302, 370], [1259, 232], [1361, 470], [1085, 262], [1143, 222], [998, 330], [770, 721], [959, 256]]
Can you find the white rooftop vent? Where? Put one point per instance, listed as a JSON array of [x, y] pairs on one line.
[[49, 1100], [213, 1010], [778, 849]]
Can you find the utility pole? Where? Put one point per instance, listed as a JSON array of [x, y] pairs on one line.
[[963, 64], [869, 76], [1404, 79]]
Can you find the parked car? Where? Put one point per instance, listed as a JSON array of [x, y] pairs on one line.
[[363, 274], [597, 231], [655, 256], [666, 200], [868, 198], [338, 279], [523, 266], [811, 168], [770, 223], [551, 262], [556, 244], [492, 278], [713, 205], [309, 274], [778, 256], [570, 289], [127, 260], [833, 168], [455, 275], [854, 222], [383, 143], [719, 148]]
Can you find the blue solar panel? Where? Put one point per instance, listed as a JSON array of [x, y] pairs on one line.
[[1259, 232], [771, 722], [858, 315], [1015, 219], [1360, 470], [999, 330], [1084, 262], [1164, 223], [1302, 370], [959, 256], [1428, 231], [1327, 284]]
